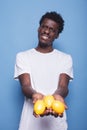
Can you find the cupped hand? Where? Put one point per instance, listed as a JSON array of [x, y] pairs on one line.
[[49, 111], [60, 98], [37, 96]]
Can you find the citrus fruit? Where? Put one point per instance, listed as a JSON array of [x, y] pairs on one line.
[[48, 100], [39, 107], [58, 107]]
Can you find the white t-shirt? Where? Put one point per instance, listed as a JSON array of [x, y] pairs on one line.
[[44, 70]]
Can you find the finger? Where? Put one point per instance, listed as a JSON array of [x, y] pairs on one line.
[[66, 107], [61, 115], [34, 100], [53, 113], [42, 115], [47, 112], [35, 115], [56, 115]]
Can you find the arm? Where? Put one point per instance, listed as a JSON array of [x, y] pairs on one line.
[[60, 93], [25, 82], [62, 89], [27, 89]]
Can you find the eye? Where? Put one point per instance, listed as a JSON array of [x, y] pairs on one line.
[[51, 30], [44, 27]]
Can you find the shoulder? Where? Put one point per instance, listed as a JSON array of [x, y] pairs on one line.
[[24, 53], [63, 55]]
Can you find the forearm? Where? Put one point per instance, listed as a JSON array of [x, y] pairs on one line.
[[28, 91], [25, 82], [62, 88], [62, 92]]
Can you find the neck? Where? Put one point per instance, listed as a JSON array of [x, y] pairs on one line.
[[44, 50]]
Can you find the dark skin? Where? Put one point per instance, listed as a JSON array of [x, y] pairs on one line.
[[47, 33]]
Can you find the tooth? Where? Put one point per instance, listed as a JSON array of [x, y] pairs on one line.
[[45, 37]]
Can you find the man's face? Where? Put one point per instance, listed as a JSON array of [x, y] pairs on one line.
[[47, 32]]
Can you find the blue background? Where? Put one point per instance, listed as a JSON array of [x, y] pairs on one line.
[[18, 32]]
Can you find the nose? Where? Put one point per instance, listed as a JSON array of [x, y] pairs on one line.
[[47, 30]]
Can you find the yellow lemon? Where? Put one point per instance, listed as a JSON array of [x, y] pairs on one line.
[[48, 100], [58, 107], [39, 107]]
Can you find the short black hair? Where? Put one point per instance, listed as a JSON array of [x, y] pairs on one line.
[[55, 17]]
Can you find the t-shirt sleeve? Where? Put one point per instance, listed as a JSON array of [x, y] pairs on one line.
[[21, 65], [67, 66]]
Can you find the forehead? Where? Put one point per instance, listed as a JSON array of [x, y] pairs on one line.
[[50, 23]]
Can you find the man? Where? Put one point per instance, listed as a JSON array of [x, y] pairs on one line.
[[42, 71]]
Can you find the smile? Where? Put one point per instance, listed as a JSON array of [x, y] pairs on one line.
[[45, 37]]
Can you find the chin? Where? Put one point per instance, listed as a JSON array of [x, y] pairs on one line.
[[44, 45]]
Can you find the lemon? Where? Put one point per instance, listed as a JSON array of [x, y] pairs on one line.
[[48, 100], [39, 107], [58, 107]]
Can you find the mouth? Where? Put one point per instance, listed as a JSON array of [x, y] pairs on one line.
[[45, 37]]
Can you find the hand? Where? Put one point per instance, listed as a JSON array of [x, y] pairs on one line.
[[60, 98], [49, 111], [53, 113], [37, 96]]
